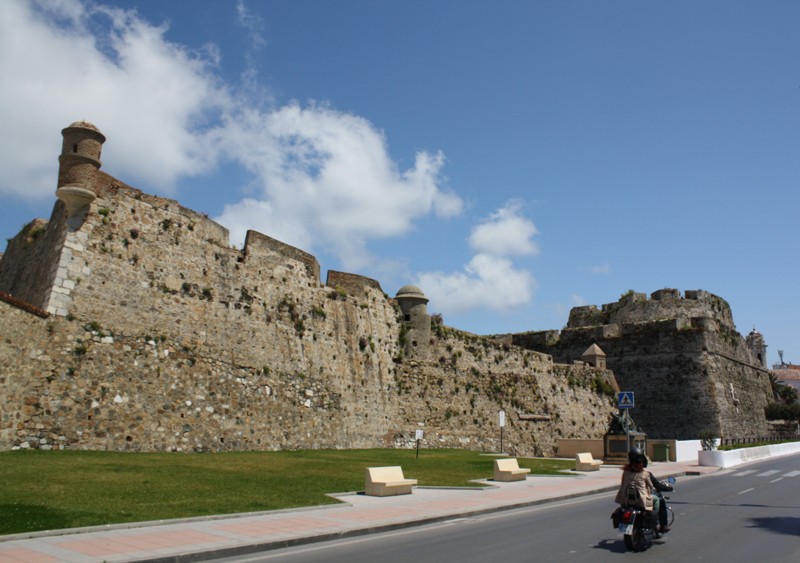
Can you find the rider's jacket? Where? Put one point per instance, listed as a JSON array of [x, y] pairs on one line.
[[635, 489]]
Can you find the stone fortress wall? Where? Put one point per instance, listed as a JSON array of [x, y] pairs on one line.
[[159, 336], [691, 371]]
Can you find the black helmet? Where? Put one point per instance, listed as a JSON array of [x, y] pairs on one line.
[[636, 455]]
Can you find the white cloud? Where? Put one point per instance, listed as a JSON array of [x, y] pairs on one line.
[[322, 177], [152, 96], [326, 178], [505, 233], [490, 280], [253, 27], [604, 268], [576, 300], [253, 24]]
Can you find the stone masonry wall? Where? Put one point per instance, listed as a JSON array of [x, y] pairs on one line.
[[28, 270], [663, 304], [351, 284], [455, 396], [174, 341], [689, 375], [73, 384], [162, 337], [77, 386]]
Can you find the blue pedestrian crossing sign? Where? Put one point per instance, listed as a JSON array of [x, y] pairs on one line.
[[625, 399]]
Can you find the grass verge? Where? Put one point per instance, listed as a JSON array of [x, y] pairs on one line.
[[67, 489]]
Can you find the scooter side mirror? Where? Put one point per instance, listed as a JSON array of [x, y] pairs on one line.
[[671, 480]]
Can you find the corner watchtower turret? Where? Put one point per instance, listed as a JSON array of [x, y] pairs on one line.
[[417, 321], [79, 162]]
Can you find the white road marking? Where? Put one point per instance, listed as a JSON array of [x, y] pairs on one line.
[[768, 473], [745, 491], [792, 474], [776, 480], [743, 473]]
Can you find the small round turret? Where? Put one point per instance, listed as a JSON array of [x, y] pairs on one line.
[[410, 292], [79, 162], [414, 305]]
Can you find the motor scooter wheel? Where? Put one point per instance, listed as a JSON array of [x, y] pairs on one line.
[[633, 541]]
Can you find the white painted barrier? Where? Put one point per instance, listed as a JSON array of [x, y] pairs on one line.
[[686, 450], [732, 458]]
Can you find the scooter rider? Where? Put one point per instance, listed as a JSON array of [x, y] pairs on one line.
[[635, 475]]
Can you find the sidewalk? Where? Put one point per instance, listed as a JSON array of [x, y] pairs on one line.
[[203, 538]]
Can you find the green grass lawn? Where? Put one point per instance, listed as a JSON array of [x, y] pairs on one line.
[[67, 489]]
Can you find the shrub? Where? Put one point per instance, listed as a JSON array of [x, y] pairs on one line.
[[782, 411], [708, 440], [36, 232], [602, 387]]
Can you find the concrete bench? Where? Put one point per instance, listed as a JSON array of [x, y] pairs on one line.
[[387, 481], [507, 469], [585, 462]]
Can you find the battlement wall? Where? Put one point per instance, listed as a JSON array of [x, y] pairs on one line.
[[162, 337], [351, 284], [158, 336], [700, 364], [109, 188], [149, 266], [662, 304], [264, 249]]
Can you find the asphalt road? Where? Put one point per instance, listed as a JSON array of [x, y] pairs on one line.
[[749, 514]]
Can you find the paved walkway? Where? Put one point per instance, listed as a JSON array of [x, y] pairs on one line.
[[204, 538]]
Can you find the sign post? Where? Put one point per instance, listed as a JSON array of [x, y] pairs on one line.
[[625, 402], [419, 437], [502, 424]]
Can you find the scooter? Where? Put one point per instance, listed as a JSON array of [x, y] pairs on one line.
[[639, 526]]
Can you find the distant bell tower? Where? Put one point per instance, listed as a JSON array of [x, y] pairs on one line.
[[79, 162], [416, 319], [759, 348]]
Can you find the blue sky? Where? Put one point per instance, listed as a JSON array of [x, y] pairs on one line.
[[512, 158]]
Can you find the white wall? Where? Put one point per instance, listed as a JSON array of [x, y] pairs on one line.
[[686, 450], [732, 458]]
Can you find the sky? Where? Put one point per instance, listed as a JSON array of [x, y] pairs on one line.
[[513, 159]]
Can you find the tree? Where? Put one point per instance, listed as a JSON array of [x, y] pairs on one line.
[[782, 392], [787, 393]]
